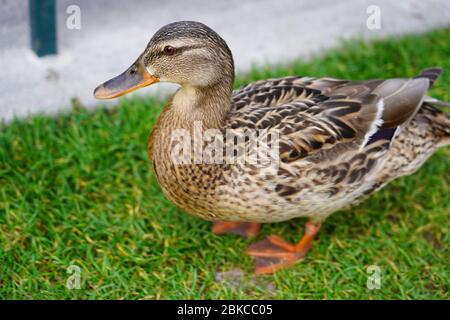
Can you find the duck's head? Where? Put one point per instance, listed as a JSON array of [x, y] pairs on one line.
[[186, 53]]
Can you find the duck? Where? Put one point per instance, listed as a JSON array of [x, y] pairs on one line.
[[329, 143]]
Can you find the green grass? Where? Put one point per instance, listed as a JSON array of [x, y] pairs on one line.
[[78, 189]]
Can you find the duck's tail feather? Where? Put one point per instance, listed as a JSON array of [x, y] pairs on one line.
[[436, 102], [440, 120], [430, 73]]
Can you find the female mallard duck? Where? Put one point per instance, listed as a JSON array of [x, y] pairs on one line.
[[338, 142]]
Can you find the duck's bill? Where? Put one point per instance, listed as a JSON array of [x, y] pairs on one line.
[[134, 78]]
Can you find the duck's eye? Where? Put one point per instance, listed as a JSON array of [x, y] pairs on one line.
[[169, 50]]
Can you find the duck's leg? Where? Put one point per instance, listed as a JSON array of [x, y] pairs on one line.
[[274, 253], [245, 229]]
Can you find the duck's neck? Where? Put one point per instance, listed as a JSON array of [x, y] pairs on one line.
[[189, 105], [209, 105]]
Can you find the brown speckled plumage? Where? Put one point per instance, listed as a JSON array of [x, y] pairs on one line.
[[339, 142], [324, 166]]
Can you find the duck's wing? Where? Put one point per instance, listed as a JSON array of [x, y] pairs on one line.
[[276, 92], [327, 116]]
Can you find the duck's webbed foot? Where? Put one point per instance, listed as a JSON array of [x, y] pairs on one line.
[[245, 229], [274, 253]]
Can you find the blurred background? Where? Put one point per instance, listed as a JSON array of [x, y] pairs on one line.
[[109, 35]]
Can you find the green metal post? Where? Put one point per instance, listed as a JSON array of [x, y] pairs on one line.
[[43, 26]]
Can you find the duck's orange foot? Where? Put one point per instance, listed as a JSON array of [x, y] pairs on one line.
[[245, 229], [274, 253]]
